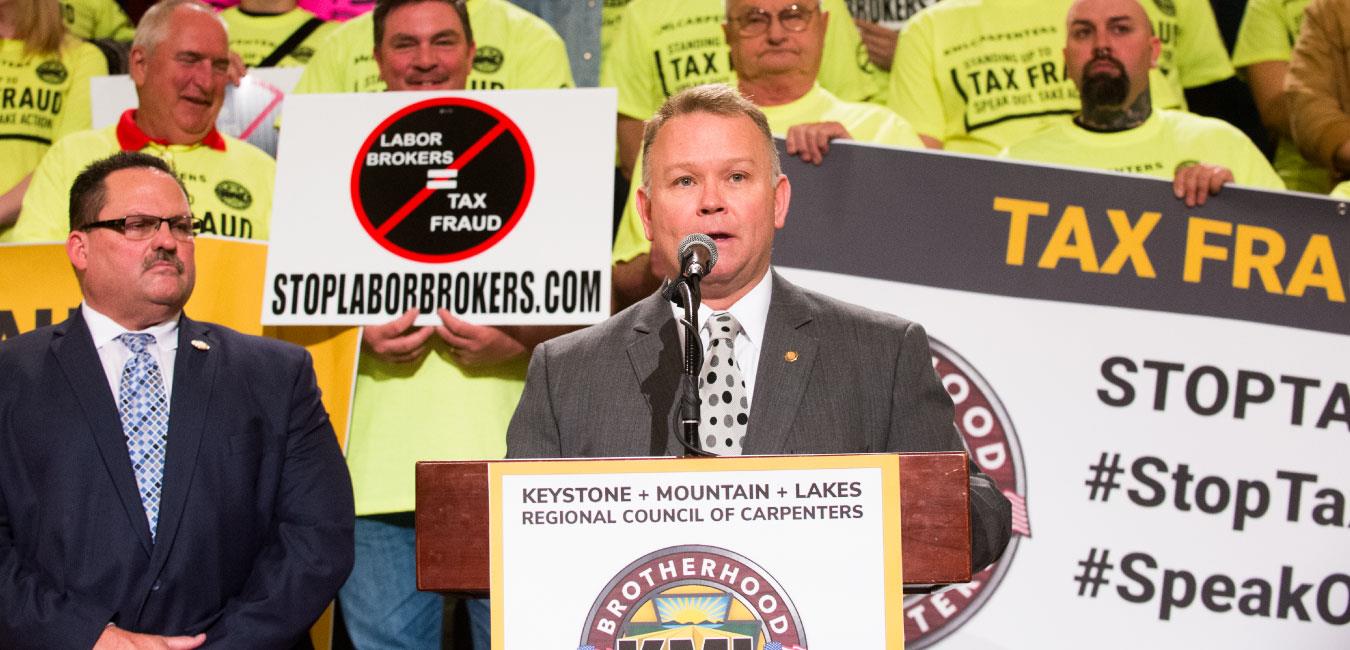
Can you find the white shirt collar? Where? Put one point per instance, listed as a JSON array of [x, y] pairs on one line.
[[105, 330], [751, 311]]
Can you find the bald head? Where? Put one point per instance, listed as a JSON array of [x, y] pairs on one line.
[[1118, 8], [1109, 49]]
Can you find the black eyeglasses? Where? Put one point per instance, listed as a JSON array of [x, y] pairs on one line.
[[144, 226], [756, 21]]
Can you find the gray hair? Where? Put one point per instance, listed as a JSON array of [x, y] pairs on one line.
[[154, 25]]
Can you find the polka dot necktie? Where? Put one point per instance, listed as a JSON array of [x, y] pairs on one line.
[[144, 407], [726, 405]]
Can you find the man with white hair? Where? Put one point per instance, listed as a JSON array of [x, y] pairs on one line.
[[180, 65]]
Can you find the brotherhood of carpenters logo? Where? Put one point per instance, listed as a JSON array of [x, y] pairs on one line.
[[695, 598], [989, 436], [488, 59], [52, 72], [234, 195]]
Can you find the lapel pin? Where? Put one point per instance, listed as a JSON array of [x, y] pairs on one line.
[[790, 356], [201, 345]]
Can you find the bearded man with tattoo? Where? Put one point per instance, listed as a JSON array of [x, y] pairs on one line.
[[1109, 50]]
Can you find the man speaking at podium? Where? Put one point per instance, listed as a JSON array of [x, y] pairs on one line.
[[786, 371]]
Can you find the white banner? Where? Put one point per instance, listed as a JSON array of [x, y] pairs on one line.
[[1160, 391], [737, 554], [494, 205]]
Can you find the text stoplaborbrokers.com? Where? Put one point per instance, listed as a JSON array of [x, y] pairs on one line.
[[465, 292]]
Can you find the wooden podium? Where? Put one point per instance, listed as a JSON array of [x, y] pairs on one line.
[[452, 522]]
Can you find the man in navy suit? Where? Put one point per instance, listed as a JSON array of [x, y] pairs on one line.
[[164, 483]]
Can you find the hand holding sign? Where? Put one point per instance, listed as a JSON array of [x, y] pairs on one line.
[[477, 345], [1194, 183], [396, 341]]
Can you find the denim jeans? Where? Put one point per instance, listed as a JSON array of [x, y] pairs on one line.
[[380, 601]]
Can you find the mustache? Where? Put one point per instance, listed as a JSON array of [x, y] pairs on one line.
[[161, 255], [1115, 63]]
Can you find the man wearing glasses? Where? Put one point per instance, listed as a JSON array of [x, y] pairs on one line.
[[661, 47], [776, 50], [163, 482], [179, 63]]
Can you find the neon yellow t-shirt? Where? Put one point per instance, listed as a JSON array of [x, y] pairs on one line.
[[230, 191], [42, 98], [865, 122], [1193, 53], [516, 50], [1341, 191], [982, 74], [662, 47], [610, 15], [1269, 29], [1165, 141], [429, 410], [254, 36], [97, 19]]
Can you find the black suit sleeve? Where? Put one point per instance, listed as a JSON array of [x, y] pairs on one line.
[[34, 612], [311, 547], [924, 422]]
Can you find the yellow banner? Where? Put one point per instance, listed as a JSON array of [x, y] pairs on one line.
[[38, 287]]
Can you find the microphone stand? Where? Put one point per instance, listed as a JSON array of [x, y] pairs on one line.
[[686, 292]]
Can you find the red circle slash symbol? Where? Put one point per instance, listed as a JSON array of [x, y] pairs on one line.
[[442, 180]]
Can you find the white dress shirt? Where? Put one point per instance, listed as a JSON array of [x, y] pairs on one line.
[[752, 312], [114, 354]]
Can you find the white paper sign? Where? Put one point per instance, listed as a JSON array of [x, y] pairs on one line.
[[495, 205], [736, 554]]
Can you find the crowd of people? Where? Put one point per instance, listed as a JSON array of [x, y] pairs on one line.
[[1100, 84]]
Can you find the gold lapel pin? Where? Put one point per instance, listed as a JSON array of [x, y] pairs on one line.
[[790, 356], [201, 345]]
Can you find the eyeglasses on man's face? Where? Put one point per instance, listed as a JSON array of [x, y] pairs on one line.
[[756, 21], [144, 226]]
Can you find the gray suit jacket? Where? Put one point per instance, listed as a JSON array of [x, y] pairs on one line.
[[862, 382]]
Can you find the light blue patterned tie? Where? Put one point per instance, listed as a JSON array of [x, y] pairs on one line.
[[144, 407]]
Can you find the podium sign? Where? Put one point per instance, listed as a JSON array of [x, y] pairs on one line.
[[727, 553]]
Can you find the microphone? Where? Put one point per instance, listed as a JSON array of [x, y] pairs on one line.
[[698, 254]]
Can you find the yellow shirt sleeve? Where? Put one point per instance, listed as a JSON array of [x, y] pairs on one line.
[[1202, 58], [1249, 166], [544, 62], [630, 240], [338, 60], [1264, 35], [844, 68], [86, 62], [92, 19], [625, 67], [45, 215], [914, 92]]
